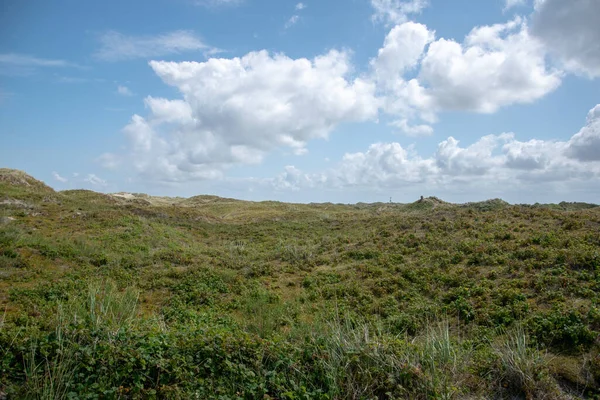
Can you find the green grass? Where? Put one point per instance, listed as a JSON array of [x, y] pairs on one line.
[[210, 298], [523, 368]]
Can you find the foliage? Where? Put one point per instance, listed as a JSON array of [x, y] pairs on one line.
[[210, 298]]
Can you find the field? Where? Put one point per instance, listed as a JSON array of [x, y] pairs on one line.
[[132, 296]]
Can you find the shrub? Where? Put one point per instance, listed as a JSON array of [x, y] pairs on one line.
[[562, 329]]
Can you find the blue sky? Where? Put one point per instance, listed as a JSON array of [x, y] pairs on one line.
[[342, 101]]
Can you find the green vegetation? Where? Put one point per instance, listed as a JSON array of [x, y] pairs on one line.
[[141, 297]]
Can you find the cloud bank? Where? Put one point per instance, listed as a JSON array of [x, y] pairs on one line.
[[491, 160]]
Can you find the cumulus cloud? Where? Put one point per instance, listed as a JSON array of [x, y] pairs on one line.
[[293, 179], [115, 46], [495, 66], [300, 6], [58, 177], [585, 145], [402, 51], [570, 30], [388, 163], [234, 111], [532, 155], [492, 158], [391, 12], [474, 160]]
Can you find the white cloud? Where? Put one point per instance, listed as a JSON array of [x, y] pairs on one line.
[[293, 179], [124, 91], [392, 12], [173, 111], [491, 160], [95, 180], [402, 51], [58, 177], [495, 66], [513, 3], [533, 154], [292, 21], [412, 130], [477, 159], [388, 163], [234, 111], [115, 46], [300, 6], [571, 31], [585, 145]]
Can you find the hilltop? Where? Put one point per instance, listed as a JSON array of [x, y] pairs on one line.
[[11, 179], [127, 295]]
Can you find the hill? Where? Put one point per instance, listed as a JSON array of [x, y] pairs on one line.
[[13, 177], [134, 296]]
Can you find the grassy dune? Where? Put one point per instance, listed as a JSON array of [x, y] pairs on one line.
[[132, 296]]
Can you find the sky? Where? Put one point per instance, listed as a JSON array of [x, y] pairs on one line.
[[338, 101]]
